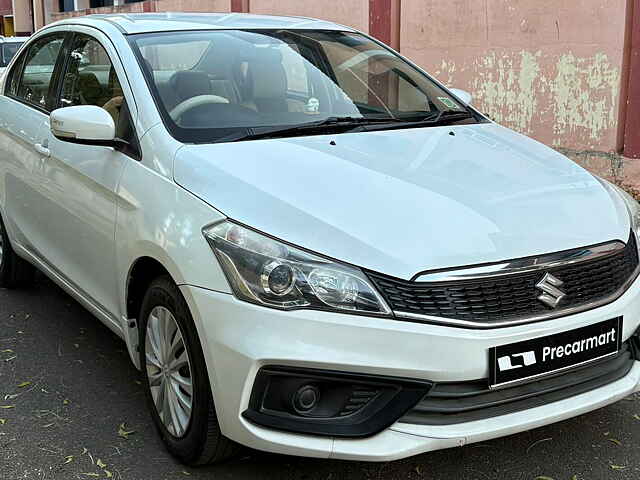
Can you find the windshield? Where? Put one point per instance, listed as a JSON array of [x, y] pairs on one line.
[[8, 51], [219, 85]]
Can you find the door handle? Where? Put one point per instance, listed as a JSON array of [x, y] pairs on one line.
[[41, 149]]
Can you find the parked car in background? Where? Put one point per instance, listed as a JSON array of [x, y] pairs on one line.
[[308, 244], [8, 48]]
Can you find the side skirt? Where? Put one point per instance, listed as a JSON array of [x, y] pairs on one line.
[[76, 292]]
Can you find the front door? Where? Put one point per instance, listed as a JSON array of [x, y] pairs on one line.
[[81, 180]]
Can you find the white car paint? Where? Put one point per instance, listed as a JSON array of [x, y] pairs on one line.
[[389, 216], [335, 342], [95, 123], [397, 202]]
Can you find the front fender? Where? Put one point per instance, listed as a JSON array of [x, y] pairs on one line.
[[158, 219]]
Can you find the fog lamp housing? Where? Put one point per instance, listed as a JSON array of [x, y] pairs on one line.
[[634, 343], [322, 402]]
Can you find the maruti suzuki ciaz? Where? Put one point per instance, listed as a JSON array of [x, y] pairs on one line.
[[308, 244]]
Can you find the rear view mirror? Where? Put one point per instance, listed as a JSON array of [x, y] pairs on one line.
[[462, 95], [86, 124]]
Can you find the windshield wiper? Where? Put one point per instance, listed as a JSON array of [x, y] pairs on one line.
[[444, 117], [344, 124], [447, 116], [329, 124]]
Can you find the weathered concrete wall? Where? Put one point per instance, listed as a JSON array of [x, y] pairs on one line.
[[550, 69], [354, 13]]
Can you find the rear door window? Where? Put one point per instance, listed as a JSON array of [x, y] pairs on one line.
[[32, 80]]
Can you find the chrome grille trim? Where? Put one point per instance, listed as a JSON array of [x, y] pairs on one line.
[[522, 265]]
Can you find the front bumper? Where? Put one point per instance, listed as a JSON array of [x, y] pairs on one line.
[[239, 338]]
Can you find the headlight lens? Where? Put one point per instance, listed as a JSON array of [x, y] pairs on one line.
[[264, 271], [634, 210]]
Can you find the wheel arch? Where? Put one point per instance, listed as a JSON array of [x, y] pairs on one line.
[[142, 271]]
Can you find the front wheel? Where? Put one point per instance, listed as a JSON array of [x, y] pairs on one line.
[[176, 381]]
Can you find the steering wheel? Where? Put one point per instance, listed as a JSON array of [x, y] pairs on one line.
[[190, 103]]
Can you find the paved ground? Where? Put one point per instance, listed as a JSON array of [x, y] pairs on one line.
[[64, 424]]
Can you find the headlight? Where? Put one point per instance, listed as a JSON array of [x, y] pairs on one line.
[[268, 272], [634, 210]]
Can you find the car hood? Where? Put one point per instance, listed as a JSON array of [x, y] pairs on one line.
[[405, 201]]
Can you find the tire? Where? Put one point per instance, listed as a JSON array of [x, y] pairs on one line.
[[15, 272], [200, 442]]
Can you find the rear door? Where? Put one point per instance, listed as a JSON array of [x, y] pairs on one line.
[[29, 96]]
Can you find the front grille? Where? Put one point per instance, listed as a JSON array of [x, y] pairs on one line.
[[450, 403], [509, 298]]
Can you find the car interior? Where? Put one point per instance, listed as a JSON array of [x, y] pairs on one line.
[[237, 83]]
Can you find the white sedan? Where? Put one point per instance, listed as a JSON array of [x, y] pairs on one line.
[[308, 244]]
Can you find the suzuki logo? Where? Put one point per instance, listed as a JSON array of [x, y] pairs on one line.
[[551, 294], [516, 360]]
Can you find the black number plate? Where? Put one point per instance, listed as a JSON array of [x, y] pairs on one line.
[[531, 359]]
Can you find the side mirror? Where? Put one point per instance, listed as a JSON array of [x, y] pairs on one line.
[[462, 95], [85, 124]]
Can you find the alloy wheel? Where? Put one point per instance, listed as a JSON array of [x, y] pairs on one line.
[[169, 371]]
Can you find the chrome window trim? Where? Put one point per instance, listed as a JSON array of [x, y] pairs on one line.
[[522, 265]]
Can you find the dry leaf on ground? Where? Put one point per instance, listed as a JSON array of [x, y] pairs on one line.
[[123, 432]]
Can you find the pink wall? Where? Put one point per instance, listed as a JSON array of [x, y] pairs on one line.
[[353, 13], [6, 7], [548, 68]]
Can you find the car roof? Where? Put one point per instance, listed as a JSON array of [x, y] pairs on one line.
[[167, 21]]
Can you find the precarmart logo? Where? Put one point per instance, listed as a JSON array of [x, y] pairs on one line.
[[586, 344], [525, 359]]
